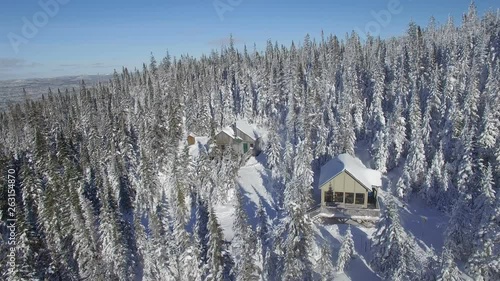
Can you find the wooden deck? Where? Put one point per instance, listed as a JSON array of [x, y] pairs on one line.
[[342, 211]]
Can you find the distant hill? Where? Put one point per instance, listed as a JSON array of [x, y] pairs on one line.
[[11, 91]]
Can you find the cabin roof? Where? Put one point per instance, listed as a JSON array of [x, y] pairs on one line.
[[352, 165], [242, 125], [247, 128]]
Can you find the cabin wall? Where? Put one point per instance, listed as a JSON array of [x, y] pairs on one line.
[[344, 182], [237, 145], [223, 139]]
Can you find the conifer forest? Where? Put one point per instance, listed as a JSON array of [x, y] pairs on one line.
[[98, 182]]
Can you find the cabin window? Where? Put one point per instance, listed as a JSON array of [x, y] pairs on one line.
[[360, 198], [251, 146], [329, 196], [349, 198], [339, 197]]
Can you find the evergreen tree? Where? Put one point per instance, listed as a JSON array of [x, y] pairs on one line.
[[215, 259], [346, 252], [324, 265], [296, 232], [393, 251], [449, 271], [483, 262], [243, 243]]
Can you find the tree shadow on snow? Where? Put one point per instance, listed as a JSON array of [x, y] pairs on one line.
[[251, 208], [359, 269]]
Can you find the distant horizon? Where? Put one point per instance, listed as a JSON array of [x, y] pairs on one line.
[[68, 38]]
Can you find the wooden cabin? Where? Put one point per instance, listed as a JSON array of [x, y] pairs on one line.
[[241, 136], [345, 182], [191, 139]]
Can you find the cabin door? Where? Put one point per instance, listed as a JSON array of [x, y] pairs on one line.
[[245, 147]]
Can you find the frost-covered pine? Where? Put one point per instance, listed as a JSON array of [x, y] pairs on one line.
[[459, 234], [416, 163], [376, 118], [263, 239], [325, 265], [111, 240], [346, 252], [489, 130], [380, 152], [215, 259], [397, 133], [432, 188], [403, 186], [393, 248], [449, 271], [484, 261], [243, 244], [296, 234], [466, 164], [431, 268], [274, 152], [201, 233]]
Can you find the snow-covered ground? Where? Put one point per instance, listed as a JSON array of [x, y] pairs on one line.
[[254, 180], [426, 224]]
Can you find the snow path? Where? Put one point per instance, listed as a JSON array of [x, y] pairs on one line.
[[255, 181]]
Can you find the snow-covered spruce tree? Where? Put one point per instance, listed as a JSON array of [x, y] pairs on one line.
[[449, 271], [201, 233], [296, 234], [263, 238], [112, 241], [346, 252], [393, 248], [431, 267], [437, 189], [183, 252], [380, 151], [403, 186], [459, 234], [488, 132], [243, 243], [376, 118], [215, 259], [274, 150], [416, 164], [466, 163], [324, 265], [30, 244], [158, 251], [483, 264], [397, 133]]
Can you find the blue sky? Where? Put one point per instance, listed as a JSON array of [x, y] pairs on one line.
[[89, 37]]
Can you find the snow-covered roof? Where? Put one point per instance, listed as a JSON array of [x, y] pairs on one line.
[[245, 127], [229, 131], [354, 166]]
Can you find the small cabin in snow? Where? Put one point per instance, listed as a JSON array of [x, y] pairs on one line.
[[345, 182], [241, 136], [191, 139]]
